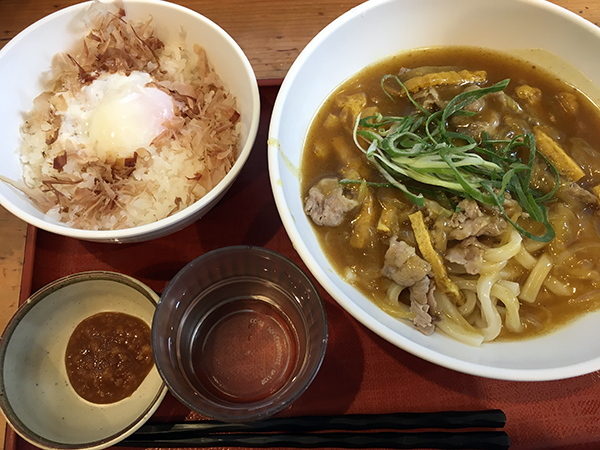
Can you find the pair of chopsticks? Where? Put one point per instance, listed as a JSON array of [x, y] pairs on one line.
[[318, 432]]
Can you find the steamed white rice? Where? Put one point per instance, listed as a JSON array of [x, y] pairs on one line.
[[72, 184]]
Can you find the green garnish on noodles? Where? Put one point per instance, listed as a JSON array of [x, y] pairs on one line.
[[419, 147]]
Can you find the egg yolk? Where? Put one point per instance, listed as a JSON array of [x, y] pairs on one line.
[[127, 114]]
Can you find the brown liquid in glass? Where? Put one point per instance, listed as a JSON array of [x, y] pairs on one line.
[[244, 351]]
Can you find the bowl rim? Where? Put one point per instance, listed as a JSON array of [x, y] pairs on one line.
[[275, 158], [22, 311], [313, 369], [142, 231]]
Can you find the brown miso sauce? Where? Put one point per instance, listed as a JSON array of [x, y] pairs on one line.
[[108, 356]]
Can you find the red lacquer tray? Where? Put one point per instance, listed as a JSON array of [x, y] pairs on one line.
[[361, 372]]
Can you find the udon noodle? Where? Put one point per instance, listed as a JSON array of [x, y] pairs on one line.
[[458, 189]]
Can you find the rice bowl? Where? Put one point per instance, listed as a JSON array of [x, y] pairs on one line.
[[169, 21]]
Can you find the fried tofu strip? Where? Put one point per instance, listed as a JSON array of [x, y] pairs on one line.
[[557, 156], [351, 107], [440, 275], [363, 226], [531, 94], [450, 78], [596, 190]]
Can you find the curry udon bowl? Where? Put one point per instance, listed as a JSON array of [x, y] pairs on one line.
[[32, 51], [36, 395], [538, 31]]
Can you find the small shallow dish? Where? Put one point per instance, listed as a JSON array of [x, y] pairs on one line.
[[543, 33], [36, 396], [239, 333], [32, 51]]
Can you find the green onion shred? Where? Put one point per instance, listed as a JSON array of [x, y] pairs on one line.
[[420, 148]]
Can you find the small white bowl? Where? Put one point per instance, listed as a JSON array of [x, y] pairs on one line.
[[28, 56], [377, 29], [35, 394]]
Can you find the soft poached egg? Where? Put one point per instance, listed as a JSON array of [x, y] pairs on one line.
[[117, 114]]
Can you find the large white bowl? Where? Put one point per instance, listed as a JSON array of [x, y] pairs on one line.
[[380, 28], [28, 56]]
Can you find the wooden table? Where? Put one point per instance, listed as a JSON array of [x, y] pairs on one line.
[[271, 32]]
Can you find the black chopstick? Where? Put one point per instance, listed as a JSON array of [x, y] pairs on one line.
[[482, 440], [493, 418], [294, 432]]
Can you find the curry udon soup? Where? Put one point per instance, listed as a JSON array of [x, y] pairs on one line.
[[458, 189]]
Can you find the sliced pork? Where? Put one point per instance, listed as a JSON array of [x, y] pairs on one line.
[[402, 264], [422, 301], [326, 203], [407, 269], [469, 254], [469, 221]]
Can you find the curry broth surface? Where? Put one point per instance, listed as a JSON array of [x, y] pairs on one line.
[[579, 228]]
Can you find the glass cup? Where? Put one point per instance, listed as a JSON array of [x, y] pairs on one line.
[[239, 333]]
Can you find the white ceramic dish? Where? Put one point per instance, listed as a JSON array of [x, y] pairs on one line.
[[36, 396], [538, 30], [31, 51]]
